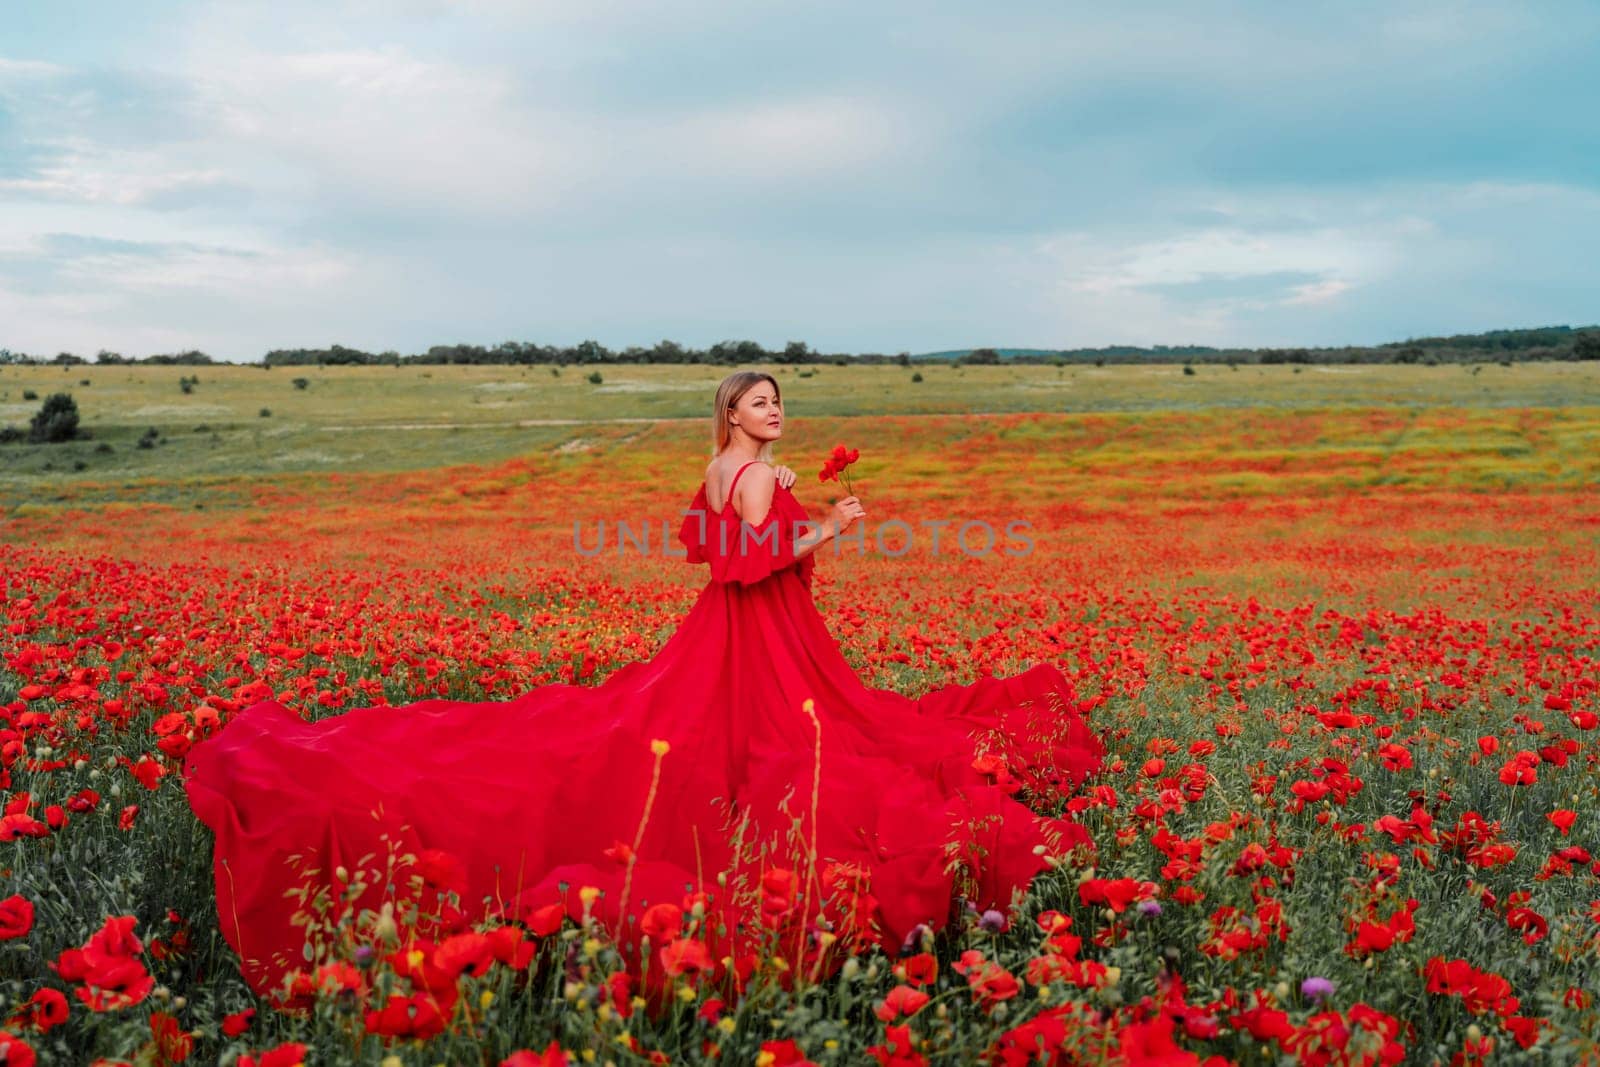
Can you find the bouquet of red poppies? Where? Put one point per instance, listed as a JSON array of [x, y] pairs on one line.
[[838, 461]]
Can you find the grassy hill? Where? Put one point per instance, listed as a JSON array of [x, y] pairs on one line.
[[248, 420]]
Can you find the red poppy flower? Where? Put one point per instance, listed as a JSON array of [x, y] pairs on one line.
[[785, 1053], [662, 923], [15, 1052], [468, 953], [902, 1000], [552, 1056], [289, 1054], [45, 1010], [837, 462], [511, 946], [920, 970], [16, 917], [685, 956], [898, 1049], [417, 1016], [173, 1044], [237, 1023]]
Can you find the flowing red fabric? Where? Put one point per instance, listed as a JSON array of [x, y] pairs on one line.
[[871, 813]]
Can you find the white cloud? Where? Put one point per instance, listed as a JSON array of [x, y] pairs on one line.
[[232, 273], [20, 69], [783, 140], [1317, 292], [410, 172], [92, 174], [1210, 254]]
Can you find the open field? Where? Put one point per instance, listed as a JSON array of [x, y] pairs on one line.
[[1339, 629], [387, 418]]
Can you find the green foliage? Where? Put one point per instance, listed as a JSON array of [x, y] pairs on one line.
[[1540, 344], [56, 421]]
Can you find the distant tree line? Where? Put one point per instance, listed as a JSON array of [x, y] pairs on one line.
[[68, 359], [1562, 343]]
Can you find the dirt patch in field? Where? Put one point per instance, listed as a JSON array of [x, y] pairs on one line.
[[155, 410]]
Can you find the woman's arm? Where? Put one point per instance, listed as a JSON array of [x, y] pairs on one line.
[[840, 518], [825, 531], [753, 502]]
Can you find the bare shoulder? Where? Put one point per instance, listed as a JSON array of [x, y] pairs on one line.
[[760, 472]]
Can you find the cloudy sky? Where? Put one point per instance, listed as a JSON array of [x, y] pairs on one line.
[[890, 176]]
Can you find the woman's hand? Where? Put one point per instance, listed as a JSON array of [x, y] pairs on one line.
[[785, 476], [844, 514]]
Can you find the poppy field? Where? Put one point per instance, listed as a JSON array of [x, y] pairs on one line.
[[1345, 661]]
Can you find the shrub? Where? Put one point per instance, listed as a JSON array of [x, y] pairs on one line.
[[148, 438], [595, 378], [266, 413], [301, 383], [917, 376], [29, 394], [1188, 370], [56, 421]]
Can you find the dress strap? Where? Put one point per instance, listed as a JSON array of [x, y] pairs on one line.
[[729, 498]]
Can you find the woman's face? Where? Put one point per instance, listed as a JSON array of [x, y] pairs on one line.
[[759, 412]]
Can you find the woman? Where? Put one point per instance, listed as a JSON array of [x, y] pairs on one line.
[[745, 769]]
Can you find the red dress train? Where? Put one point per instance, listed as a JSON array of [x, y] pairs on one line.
[[867, 815]]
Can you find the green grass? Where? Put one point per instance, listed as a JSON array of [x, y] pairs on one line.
[[388, 418]]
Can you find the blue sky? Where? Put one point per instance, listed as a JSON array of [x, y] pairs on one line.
[[864, 177]]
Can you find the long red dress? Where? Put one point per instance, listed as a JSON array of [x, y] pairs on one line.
[[869, 814]]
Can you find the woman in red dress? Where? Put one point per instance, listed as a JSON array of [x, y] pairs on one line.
[[745, 769]]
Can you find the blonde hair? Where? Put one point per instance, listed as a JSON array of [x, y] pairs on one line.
[[732, 388]]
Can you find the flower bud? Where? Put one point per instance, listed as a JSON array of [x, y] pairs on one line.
[[385, 927]]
